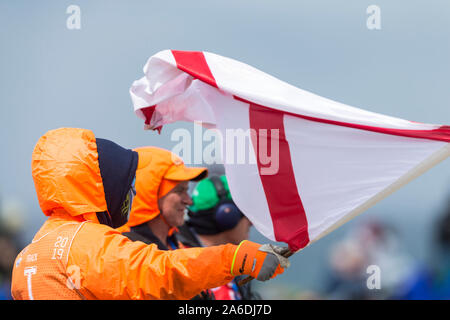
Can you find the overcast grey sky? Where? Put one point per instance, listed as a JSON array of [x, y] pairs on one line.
[[53, 77]]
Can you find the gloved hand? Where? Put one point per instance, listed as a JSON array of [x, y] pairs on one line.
[[261, 262]]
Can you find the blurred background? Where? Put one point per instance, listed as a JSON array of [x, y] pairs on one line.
[[54, 75]]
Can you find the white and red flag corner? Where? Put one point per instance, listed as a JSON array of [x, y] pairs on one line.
[[334, 160]]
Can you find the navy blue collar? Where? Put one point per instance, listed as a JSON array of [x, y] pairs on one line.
[[118, 169]]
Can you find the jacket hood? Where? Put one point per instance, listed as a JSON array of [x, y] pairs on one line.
[[74, 171], [157, 167]]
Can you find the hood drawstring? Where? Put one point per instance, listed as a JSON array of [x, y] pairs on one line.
[[172, 229]]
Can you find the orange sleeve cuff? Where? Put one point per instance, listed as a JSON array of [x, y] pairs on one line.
[[244, 258]]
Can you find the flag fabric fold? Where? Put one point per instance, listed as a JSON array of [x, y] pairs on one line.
[[328, 161]]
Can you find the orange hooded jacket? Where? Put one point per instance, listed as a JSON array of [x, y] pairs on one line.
[[74, 256], [158, 172]]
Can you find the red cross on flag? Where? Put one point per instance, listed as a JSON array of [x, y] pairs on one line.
[[317, 163]]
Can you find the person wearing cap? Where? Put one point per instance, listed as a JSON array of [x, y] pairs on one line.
[[85, 186], [214, 219], [161, 201]]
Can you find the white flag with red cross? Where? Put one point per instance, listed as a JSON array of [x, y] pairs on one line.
[[318, 163]]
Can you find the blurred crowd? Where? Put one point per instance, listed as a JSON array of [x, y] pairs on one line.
[[372, 243], [376, 247], [11, 231]]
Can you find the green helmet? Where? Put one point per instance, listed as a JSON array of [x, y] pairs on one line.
[[205, 195]]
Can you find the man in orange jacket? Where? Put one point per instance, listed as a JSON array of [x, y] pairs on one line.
[[85, 186], [161, 200]]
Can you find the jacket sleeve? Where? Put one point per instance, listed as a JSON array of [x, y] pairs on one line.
[[113, 267]]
